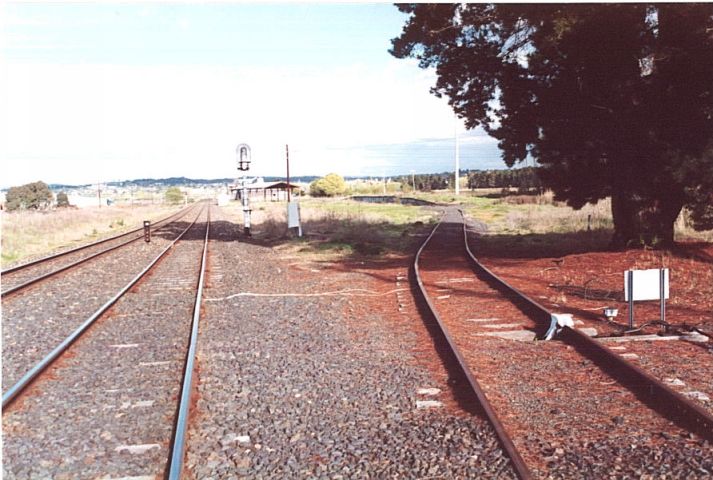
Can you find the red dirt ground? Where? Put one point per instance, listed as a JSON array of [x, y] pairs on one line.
[[584, 283]]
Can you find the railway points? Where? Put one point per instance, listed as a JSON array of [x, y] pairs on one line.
[[315, 368]]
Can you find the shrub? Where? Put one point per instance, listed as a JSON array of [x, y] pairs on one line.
[[173, 196], [328, 186], [62, 200]]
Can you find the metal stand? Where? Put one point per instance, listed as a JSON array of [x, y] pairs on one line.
[[662, 293], [631, 298], [648, 293]]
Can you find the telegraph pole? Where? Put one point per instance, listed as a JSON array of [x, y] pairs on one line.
[[287, 156], [457, 157]]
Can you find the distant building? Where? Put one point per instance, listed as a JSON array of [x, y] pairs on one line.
[[84, 201], [259, 190]]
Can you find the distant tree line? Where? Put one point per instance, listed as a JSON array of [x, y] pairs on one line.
[[426, 182], [524, 179]]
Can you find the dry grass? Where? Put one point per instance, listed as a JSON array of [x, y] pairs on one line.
[[339, 227], [544, 215], [684, 229], [29, 234], [525, 214]]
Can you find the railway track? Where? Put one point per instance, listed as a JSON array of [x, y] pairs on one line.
[[38, 318], [112, 399], [20, 277], [570, 408]]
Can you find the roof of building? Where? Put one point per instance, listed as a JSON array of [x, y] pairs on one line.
[[282, 185], [261, 185]]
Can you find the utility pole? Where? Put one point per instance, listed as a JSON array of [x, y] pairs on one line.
[[99, 194], [287, 156], [457, 157], [413, 180]]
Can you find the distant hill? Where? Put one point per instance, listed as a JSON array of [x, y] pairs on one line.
[[175, 182], [188, 182]]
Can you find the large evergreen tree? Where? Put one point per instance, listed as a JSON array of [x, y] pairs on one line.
[[611, 100]]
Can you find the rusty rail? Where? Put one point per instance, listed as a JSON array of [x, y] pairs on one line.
[[506, 442], [651, 391]]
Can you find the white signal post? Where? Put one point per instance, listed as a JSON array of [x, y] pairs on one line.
[[243, 152]]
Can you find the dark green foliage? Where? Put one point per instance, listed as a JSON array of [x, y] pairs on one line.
[[702, 211], [610, 99], [35, 195], [428, 181], [328, 186], [524, 179], [62, 200]]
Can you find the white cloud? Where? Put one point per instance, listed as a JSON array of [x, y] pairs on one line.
[[83, 123]]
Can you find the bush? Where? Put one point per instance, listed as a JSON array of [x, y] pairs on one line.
[[62, 200], [35, 195], [328, 186], [173, 195]]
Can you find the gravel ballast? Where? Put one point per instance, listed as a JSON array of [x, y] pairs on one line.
[[296, 385], [106, 408]]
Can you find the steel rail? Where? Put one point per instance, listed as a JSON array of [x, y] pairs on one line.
[[184, 406], [506, 442], [650, 390], [44, 276], [88, 245], [12, 393]]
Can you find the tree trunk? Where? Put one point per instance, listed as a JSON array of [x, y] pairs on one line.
[[646, 221]]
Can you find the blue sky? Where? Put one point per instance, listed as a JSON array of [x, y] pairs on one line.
[[213, 34], [98, 92]]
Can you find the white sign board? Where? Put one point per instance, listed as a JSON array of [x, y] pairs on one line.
[[293, 217], [646, 284]]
